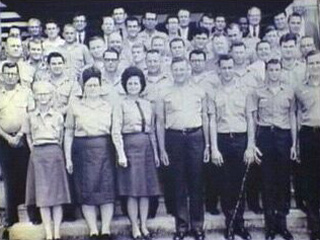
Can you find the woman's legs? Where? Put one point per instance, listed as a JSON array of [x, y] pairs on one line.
[[90, 215], [106, 217], [144, 209], [46, 219], [57, 218], [133, 215]]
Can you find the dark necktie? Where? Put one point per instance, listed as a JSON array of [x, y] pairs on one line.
[[254, 31], [143, 119]]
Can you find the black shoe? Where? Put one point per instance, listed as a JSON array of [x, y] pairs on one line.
[[270, 235], [179, 236], [93, 237], [36, 221], [228, 234], [285, 234], [315, 236], [148, 236], [214, 211], [243, 233], [199, 235], [106, 236]]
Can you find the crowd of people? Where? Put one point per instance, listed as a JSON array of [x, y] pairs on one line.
[[87, 120]]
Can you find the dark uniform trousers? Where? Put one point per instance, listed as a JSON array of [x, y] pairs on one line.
[[185, 152], [232, 147], [14, 165], [310, 164], [275, 143], [212, 186]]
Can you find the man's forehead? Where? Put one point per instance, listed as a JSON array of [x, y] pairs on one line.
[[118, 11], [13, 41], [150, 15]]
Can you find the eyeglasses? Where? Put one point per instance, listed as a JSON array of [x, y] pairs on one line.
[[10, 74], [111, 59]]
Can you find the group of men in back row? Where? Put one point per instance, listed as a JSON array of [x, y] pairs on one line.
[[261, 88]]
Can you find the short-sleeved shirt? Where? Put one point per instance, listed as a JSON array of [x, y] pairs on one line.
[[114, 83], [183, 106], [44, 128], [208, 81], [228, 106], [294, 75], [89, 119], [247, 78], [14, 105], [273, 108], [308, 98]]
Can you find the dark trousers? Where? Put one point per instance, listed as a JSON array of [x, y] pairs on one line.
[[185, 152], [212, 186], [232, 147], [254, 187], [310, 165], [275, 143], [14, 165]]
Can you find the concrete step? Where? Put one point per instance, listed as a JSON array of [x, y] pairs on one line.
[[162, 225]]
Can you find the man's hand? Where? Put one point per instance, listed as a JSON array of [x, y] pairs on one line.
[[164, 158], [123, 162], [216, 157], [293, 153], [69, 166], [206, 155]]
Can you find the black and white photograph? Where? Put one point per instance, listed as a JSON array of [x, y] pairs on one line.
[[159, 119]]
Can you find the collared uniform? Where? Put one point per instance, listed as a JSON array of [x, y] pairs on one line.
[[273, 138], [295, 75], [308, 100]]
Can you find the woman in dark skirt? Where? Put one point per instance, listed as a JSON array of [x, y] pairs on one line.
[[137, 151], [47, 184], [90, 153]]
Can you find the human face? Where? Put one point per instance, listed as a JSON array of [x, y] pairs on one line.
[[138, 54], [184, 18], [14, 47], [92, 87], [153, 62], [158, 44], [56, 66], [15, 32], [115, 41], [35, 51], [234, 34], [96, 48], [134, 86], [220, 45], [264, 51], [69, 34], [274, 72], [220, 23], [313, 66], [227, 70], [119, 15], [177, 49], [200, 41], [306, 45], [198, 63], [173, 25], [207, 23], [34, 28], [280, 21], [239, 54], [43, 97], [111, 61], [10, 76], [288, 49], [272, 37], [133, 29], [244, 24], [80, 23], [52, 30], [107, 25], [150, 21], [295, 24], [254, 16], [179, 72]]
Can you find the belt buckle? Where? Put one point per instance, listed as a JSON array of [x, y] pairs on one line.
[[272, 127], [184, 131], [231, 134]]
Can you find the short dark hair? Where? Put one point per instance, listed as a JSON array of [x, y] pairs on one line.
[[51, 20], [312, 53], [288, 37], [55, 55], [268, 29], [177, 40], [131, 19], [294, 14], [78, 14], [198, 52], [273, 61], [261, 42], [178, 59], [91, 72], [94, 38], [280, 12], [208, 15], [153, 51], [224, 57], [200, 31], [132, 72], [10, 65], [111, 50], [237, 44], [171, 16]]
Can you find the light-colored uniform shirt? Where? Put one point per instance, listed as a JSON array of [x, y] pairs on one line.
[[229, 105], [294, 75], [147, 37], [14, 105], [51, 46], [88, 119], [183, 106], [207, 80], [308, 99], [44, 128], [273, 108], [114, 83]]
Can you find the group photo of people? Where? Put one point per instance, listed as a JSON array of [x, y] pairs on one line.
[[211, 113]]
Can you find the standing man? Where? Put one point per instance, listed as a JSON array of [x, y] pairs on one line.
[[80, 24], [182, 128], [232, 143], [119, 15], [107, 27], [281, 23], [308, 99], [254, 18]]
